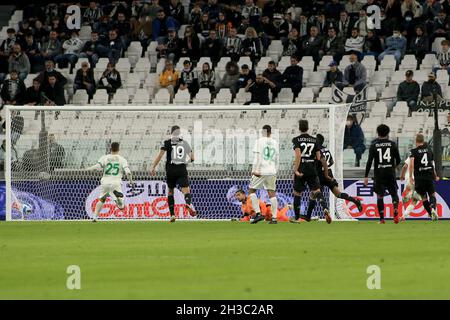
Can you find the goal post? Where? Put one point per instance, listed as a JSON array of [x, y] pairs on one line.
[[45, 163]]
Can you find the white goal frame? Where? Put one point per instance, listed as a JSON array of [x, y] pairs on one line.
[[163, 108]]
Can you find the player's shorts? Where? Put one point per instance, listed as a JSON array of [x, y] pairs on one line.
[[424, 187], [330, 184], [108, 188], [177, 175], [383, 183], [263, 182], [300, 183]]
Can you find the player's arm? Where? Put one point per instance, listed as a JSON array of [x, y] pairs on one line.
[[324, 163], [156, 162], [403, 173], [411, 170], [397, 158], [369, 165], [191, 156], [298, 158], [96, 167]]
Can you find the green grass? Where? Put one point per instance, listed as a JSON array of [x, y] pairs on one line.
[[214, 260]]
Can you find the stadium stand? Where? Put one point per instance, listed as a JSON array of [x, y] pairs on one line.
[[143, 53]]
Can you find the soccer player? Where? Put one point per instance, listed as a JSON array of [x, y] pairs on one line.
[[113, 166], [422, 174], [329, 181], [264, 172], [307, 152], [178, 151], [386, 157], [266, 210]]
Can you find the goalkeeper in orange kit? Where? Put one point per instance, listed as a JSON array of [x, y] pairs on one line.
[[266, 209]]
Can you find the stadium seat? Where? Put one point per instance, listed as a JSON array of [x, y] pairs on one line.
[[223, 97], [162, 97], [429, 61], [245, 60], [203, 60], [388, 63], [324, 63], [409, 62], [141, 97], [442, 77], [324, 95], [152, 53], [401, 110], [242, 97], [182, 97], [203, 97], [285, 96], [379, 109], [436, 46], [85, 33], [101, 97], [316, 80], [305, 96], [80, 98], [121, 97]]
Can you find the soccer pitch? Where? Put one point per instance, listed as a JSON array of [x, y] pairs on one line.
[[224, 260]]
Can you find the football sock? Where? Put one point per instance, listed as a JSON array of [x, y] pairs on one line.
[[98, 207], [255, 203], [433, 202], [274, 204], [311, 206], [321, 200], [426, 205], [171, 201], [380, 205], [297, 202], [395, 201], [345, 196]]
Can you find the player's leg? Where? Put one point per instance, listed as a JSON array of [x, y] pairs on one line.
[[256, 183], [317, 195], [282, 214], [299, 187], [345, 196], [270, 185], [379, 189], [171, 202], [392, 189], [183, 182], [433, 202], [99, 205]]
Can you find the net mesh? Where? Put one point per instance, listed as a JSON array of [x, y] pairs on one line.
[[50, 151]]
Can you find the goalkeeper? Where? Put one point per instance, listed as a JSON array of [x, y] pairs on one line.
[[265, 209], [113, 166]]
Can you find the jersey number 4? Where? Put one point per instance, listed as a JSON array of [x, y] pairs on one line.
[[424, 160], [384, 156]]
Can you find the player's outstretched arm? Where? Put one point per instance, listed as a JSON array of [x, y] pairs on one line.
[[156, 162], [369, 165], [96, 167], [411, 170]]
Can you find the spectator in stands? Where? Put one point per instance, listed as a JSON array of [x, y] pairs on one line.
[[411, 6], [361, 23], [56, 153], [395, 45], [19, 61], [13, 89], [431, 89], [110, 79], [207, 78], [355, 44], [222, 25], [112, 49], [123, 28], [273, 75], [333, 45], [90, 49], [189, 79], [251, 46], [54, 92], [268, 29], [333, 8], [6, 48], [312, 44], [322, 24], [355, 74], [344, 25], [40, 32], [354, 138], [293, 76], [196, 14], [251, 12], [103, 27], [441, 26], [31, 49], [352, 7], [171, 49], [303, 26], [152, 10], [92, 13], [232, 45], [245, 75], [176, 10], [259, 89], [52, 47], [231, 77], [212, 8], [419, 44], [204, 25], [71, 49], [161, 26], [33, 94], [292, 43], [212, 47], [84, 79], [169, 78], [142, 31], [50, 70], [409, 90], [372, 44], [443, 57], [190, 45], [393, 11], [234, 14], [333, 76]]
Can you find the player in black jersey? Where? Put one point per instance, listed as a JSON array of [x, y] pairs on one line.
[[386, 157], [178, 151], [305, 173], [328, 180], [422, 174]]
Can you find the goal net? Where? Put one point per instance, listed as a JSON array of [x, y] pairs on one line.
[[49, 148]]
